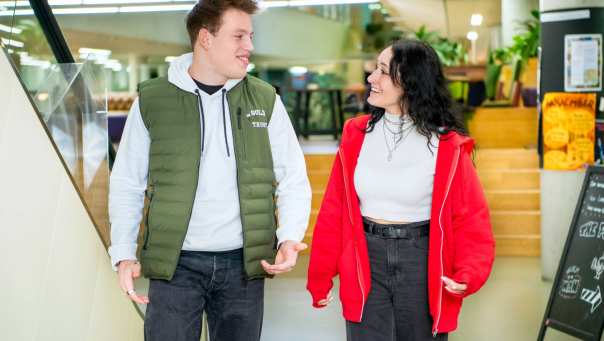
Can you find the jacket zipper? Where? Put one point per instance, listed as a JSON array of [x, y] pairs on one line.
[[356, 251], [442, 237], [226, 141], [147, 231], [202, 123]]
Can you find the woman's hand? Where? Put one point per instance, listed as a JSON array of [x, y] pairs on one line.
[[454, 287], [326, 301]]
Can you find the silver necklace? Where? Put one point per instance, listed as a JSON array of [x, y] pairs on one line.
[[401, 121], [398, 135]]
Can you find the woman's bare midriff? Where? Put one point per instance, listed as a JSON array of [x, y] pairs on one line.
[[386, 222]]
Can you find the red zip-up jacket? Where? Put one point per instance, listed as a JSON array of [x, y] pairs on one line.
[[461, 240]]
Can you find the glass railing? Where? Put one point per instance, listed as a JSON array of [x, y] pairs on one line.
[[71, 99]]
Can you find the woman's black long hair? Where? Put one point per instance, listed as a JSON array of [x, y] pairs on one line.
[[415, 67]]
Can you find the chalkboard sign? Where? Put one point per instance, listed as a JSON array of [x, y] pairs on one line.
[[576, 305]]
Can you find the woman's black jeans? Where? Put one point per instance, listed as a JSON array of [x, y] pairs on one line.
[[397, 306]]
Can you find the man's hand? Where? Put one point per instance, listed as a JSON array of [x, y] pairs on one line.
[[128, 270], [286, 257]]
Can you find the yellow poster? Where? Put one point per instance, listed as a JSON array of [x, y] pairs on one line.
[[568, 130]]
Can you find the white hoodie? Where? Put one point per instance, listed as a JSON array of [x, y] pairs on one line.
[[215, 223]]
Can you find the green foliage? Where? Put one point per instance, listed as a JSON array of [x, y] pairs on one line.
[[450, 53], [33, 37], [525, 46]]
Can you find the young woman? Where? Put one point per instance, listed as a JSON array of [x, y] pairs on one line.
[[404, 221]]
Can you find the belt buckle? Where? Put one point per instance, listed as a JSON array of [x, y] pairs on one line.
[[384, 232]]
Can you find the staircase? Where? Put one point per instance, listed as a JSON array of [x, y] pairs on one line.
[[510, 179], [508, 166]]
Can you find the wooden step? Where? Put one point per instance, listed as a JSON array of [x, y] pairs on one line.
[[511, 158], [516, 222], [509, 127], [318, 179], [518, 245], [513, 200], [317, 199], [319, 162], [509, 179], [311, 225]]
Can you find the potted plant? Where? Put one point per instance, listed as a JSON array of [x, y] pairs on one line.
[[526, 46]]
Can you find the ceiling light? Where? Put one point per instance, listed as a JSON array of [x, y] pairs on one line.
[[300, 3], [87, 50], [64, 2], [112, 2], [293, 3], [86, 10], [9, 29], [14, 3], [298, 70], [10, 12], [268, 4], [472, 35], [476, 19], [11, 42], [158, 8]]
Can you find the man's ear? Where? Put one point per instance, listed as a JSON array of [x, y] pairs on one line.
[[204, 38]]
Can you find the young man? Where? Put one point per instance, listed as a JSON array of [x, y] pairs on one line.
[[214, 152]]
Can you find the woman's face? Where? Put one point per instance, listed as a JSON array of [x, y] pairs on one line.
[[384, 93]]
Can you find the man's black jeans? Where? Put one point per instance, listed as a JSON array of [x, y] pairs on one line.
[[213, 282]]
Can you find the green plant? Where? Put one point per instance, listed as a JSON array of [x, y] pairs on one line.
[[33, 38], [499, 56], [449, 52], [496, 59], [525, 45], [378, 35]]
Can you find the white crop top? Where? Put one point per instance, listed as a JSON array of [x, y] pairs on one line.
[[400, 189]]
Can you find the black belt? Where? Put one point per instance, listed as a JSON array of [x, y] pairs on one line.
[[397, 231]]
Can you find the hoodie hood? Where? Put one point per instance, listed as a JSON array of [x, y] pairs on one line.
[[178, 74]]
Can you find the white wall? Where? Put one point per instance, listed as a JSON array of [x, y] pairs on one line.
[[56, 280], [559, 195], [513, 13]]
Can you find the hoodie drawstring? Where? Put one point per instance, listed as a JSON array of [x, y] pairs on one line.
[[203, 120], [226, 141]]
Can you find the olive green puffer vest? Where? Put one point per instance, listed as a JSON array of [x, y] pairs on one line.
[[172, 118]]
